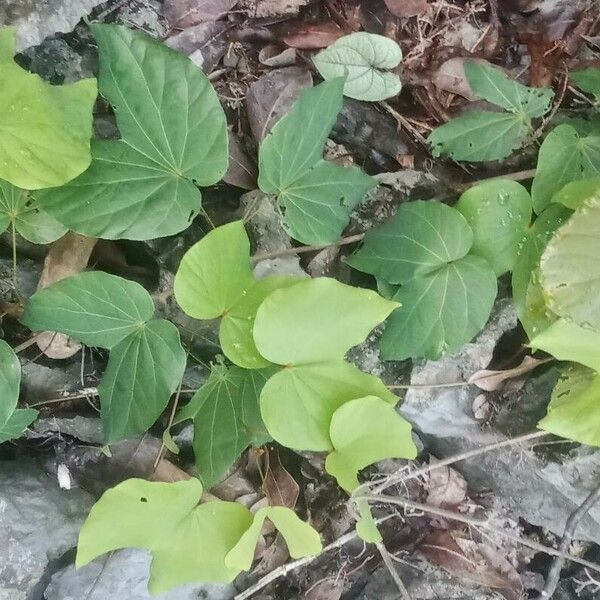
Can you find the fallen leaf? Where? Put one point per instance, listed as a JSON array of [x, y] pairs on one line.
[[407, 8], [279, 486], [446, 487], [327, 589], [205, 43], [493, 380], [242, 169], [272, 95], [309, 36], [273, 56], [450, 77], [181, 14], [68, 256], [277, 8], [482, 408]]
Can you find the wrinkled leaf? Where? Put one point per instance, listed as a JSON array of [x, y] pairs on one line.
[[366, 60], [46, 128], [365, 431], [446, 487], [490, 380]]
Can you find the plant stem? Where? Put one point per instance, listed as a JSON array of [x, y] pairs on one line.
[[427, 386], [391, 567], [13, 232]]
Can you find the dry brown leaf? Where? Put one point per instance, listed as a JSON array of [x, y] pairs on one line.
[[450, 77], [312, 36], [279, 486], [242, 169], [494, 380], [181, 14], [68, 256], [273, 55], [407, 8], [205, 43], [446, 487], [328, 589]]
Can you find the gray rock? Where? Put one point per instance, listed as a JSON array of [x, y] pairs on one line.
[[55, 61], [39, 522], [124, 575], [86, 429], [541, 491]]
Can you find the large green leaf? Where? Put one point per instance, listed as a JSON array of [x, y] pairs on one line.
[[316, 197], [366, 60], [13, 420], [301, 539], [30, 221], [316, 320], [575, 193], [214, 280], [479, 136], [94, 308], [499, 212], [226, 419], [419, 239], [565, 155], [297, 403], [587, 80], [143, 371], [574, 409], [570, 267], [188, 540], [492, 84], [173, 136], [365, 431], [440, 311], [46, 129]]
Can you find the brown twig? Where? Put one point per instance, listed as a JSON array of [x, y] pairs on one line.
[[559, 560], [387, 561]]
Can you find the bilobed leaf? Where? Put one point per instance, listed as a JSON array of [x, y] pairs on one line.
[[419, 239], [574, 409], [301, 539], [297, 403], [226, 419], [492, 84], [188, 540], [46, 129], [365, 431], [366, 60], [587, 80], [13, 420], [440, 311], [31, 222], [173, 136], [94, 308], [143, 370], [479, 136], [316, 197], [570, 267], [566, 155], [499, 212]]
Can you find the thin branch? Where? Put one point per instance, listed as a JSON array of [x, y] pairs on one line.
[[558, 562], [475, 522], [429, 386], [387, 560]]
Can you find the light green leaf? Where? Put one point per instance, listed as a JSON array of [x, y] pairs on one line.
[[173, 137], [143, 370], [95, 308], [568, 341], [301, 539], [440, 311], [316, 320], [575, 193], [226, 419], [316, 197], [419, 239], [366, 60], [46, 129], [188, 540], [492, 84], [570, 267], [214, 279], [297, 403], [479, 136], [574, 409], [565, 155], [365, 431], [31, 222], [588, 81], [499, 212], [13, 420]]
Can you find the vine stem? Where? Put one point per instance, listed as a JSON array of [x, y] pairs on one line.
[[13, 232]]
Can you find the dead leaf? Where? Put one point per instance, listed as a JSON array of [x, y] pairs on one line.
[[312, 36], [277, 8], [407, 8], [450, 77], [67, 256], [446, 487], [242, 169], [279, 486], [181, 14], [494, 380], [205, 43], [272, 95], [328, 589], [273, 56], [482, 408]]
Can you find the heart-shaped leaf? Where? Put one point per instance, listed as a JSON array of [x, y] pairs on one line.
[[173, 136], [46, 129], [587, 80], [13, 420], [366, 60], [575, 193], [317, 197]]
